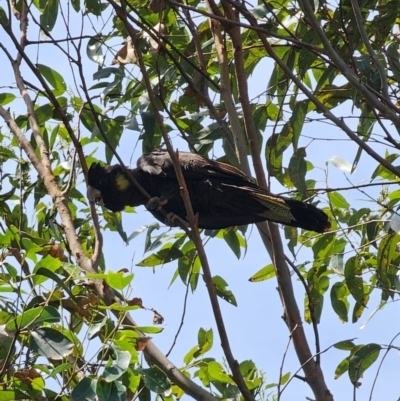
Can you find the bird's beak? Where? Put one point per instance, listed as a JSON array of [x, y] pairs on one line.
[[94, 196]]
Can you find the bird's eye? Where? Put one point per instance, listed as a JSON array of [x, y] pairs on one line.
[[103, 182]]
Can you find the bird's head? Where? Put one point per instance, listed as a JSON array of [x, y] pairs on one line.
[[107, 186]]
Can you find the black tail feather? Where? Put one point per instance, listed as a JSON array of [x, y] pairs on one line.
[[308, 216]]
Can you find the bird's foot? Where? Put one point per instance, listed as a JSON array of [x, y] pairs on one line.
[[174, 220], [156, 203]]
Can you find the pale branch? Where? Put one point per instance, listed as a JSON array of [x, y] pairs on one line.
[[293, 319], [312, 370], [226, 92], [195, 235]]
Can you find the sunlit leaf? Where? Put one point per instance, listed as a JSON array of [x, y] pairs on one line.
[[340, 163], [6, 98], [54, 78], [94, 50], [263, 274]]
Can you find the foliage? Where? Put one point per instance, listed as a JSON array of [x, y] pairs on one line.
[[176, 76]]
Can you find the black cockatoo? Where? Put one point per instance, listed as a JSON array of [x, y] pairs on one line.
[[222, 195]]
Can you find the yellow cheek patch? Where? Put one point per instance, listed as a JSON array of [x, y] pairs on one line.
[[122, 182]]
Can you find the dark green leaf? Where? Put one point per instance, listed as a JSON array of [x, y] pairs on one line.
[[154, 379], [362, 359], [114, 391], [354, 282], [298, 169], [50, 343], [119, 365], [345, 345], [34, 317], [84, 390], [49, 17], [339, 300]]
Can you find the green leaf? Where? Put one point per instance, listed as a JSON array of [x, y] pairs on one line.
[[354, 282], [190, 355], [393, 59], [84, 390], [298, 169], [161, 257], [3, 17], [118, 280], [205, 340], [231, 238], [383, 172], [114, 130], [359, 309], [55, 79], [43, 271], [297, 120], [114, 391], [338, 200], [263, 274], [339, 301], [284, 379], [222, 291], [322, 246], [34, 317], [150, 329], [49, 17], [94, 49], [216, 372], [364, 129], [118, 365], [44, 113], [96, 7], [362, 359], [50, 343], [49, 263], [345, 345], [342, 367], [386, 260], [6, 98], [76, 5], [155, 380]]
